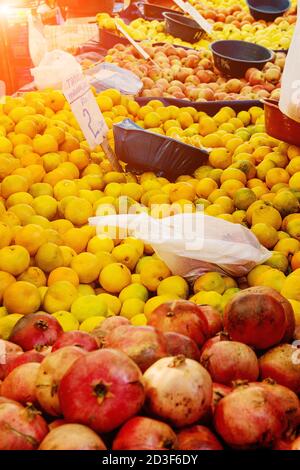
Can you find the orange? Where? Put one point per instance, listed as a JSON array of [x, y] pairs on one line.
[[7, 164], [57, 133], [78, 211], [61, 225], [33, 275], [23, 212], [70, 143], [294, 182], [14, 259], [45, 206], [21, 297], [114, 277], [37, 172], [231, 186], [65, 188], [80, 158], [44, 144], [287, 246], [182, 190], [6, 280], [233, 174], [115, 96], [5, 235], [49, 257], [87, 266], [268, 215], [105, 103], [220, 158], [59, 296], [40, 189], [205, 187], [63, 274], [26, 127], [295, 261], [266, 234], [211, 281], [5, 145], [51, 161], [276, 175], [100, 243], [75, 238], [13, 184], [31, 237]]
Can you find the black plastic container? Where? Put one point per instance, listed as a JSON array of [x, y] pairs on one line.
[[108, 39], [268, 10], [143, 150], [234, 58], [180, 26], [151, 11]]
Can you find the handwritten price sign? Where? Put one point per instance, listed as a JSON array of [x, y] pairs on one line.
[[85, 108]]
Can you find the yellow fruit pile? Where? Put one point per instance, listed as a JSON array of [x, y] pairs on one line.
[[273, 36], [51, 183]]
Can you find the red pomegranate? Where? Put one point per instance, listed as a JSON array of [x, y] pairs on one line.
[[178, 390], [179, 344], [7, 347], [109, 384], [81, 339], [282, 444], [51, 371], [214, 319], [19, 385], [247, 418], [107, 326], [36, 330], [227, 361], [296, 444], [23, 358], [181, 316], [20, 428], [282, 364], [198, 438], [72, 437], [140, 433], [56, 423], [143, 344], [257, 317], [219, 391]]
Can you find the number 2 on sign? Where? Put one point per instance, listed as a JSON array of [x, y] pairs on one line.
[[86, 113]]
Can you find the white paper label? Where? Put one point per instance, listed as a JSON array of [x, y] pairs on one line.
[[85, 108], [188, 8], [133, 42]]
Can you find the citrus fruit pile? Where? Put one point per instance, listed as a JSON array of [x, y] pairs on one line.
[[51, 260]]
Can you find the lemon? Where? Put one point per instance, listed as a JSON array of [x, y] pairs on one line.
[[66, 320], [134, 291], [132, 307], [210, 282], [85, 289], [208, 298], [174, 285], [3, 312], [139, 320], [7, 324], [91, 323], [113, 303], [156, 301], [88, 306]]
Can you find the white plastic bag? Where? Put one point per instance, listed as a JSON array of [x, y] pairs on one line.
[[36, 40], [192, 244], [108, 75], [289, 103], [53, 69]]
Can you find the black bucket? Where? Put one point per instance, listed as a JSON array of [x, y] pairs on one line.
[[234, 58], [268, 10], [180, 26], [151, 11]]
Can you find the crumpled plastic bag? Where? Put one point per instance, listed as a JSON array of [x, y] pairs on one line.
[[191, 244], [107, 75], [53, 69]]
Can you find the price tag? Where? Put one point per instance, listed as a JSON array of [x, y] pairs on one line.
[[85, 108], [188, 8], [133, 42]]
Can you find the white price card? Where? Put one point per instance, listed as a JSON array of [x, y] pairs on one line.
[[188, 8], [85, 108], [132, 41]]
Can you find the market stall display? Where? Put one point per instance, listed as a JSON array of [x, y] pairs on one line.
[[150, 235]]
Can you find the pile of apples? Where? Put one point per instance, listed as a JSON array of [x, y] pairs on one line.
[[175, 72]]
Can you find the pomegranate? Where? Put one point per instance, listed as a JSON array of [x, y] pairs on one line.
[[219, 391], [109, 384], [23, 358], [56, 423], [227, 361], [8, 352], [198, 438], [36, 329], [143, 344], [178, 390], [181, 316], [81, 339], [256, 317], [140, 433], [20, 428], [282, 365], [282, 444], [247, 418], [7, 347], [180, 344], [214, 319], [72, 437], [296, 444], [108, 325], [19, 385], [51, 371]]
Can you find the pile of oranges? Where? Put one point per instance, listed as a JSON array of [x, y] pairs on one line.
[[51, 184]]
